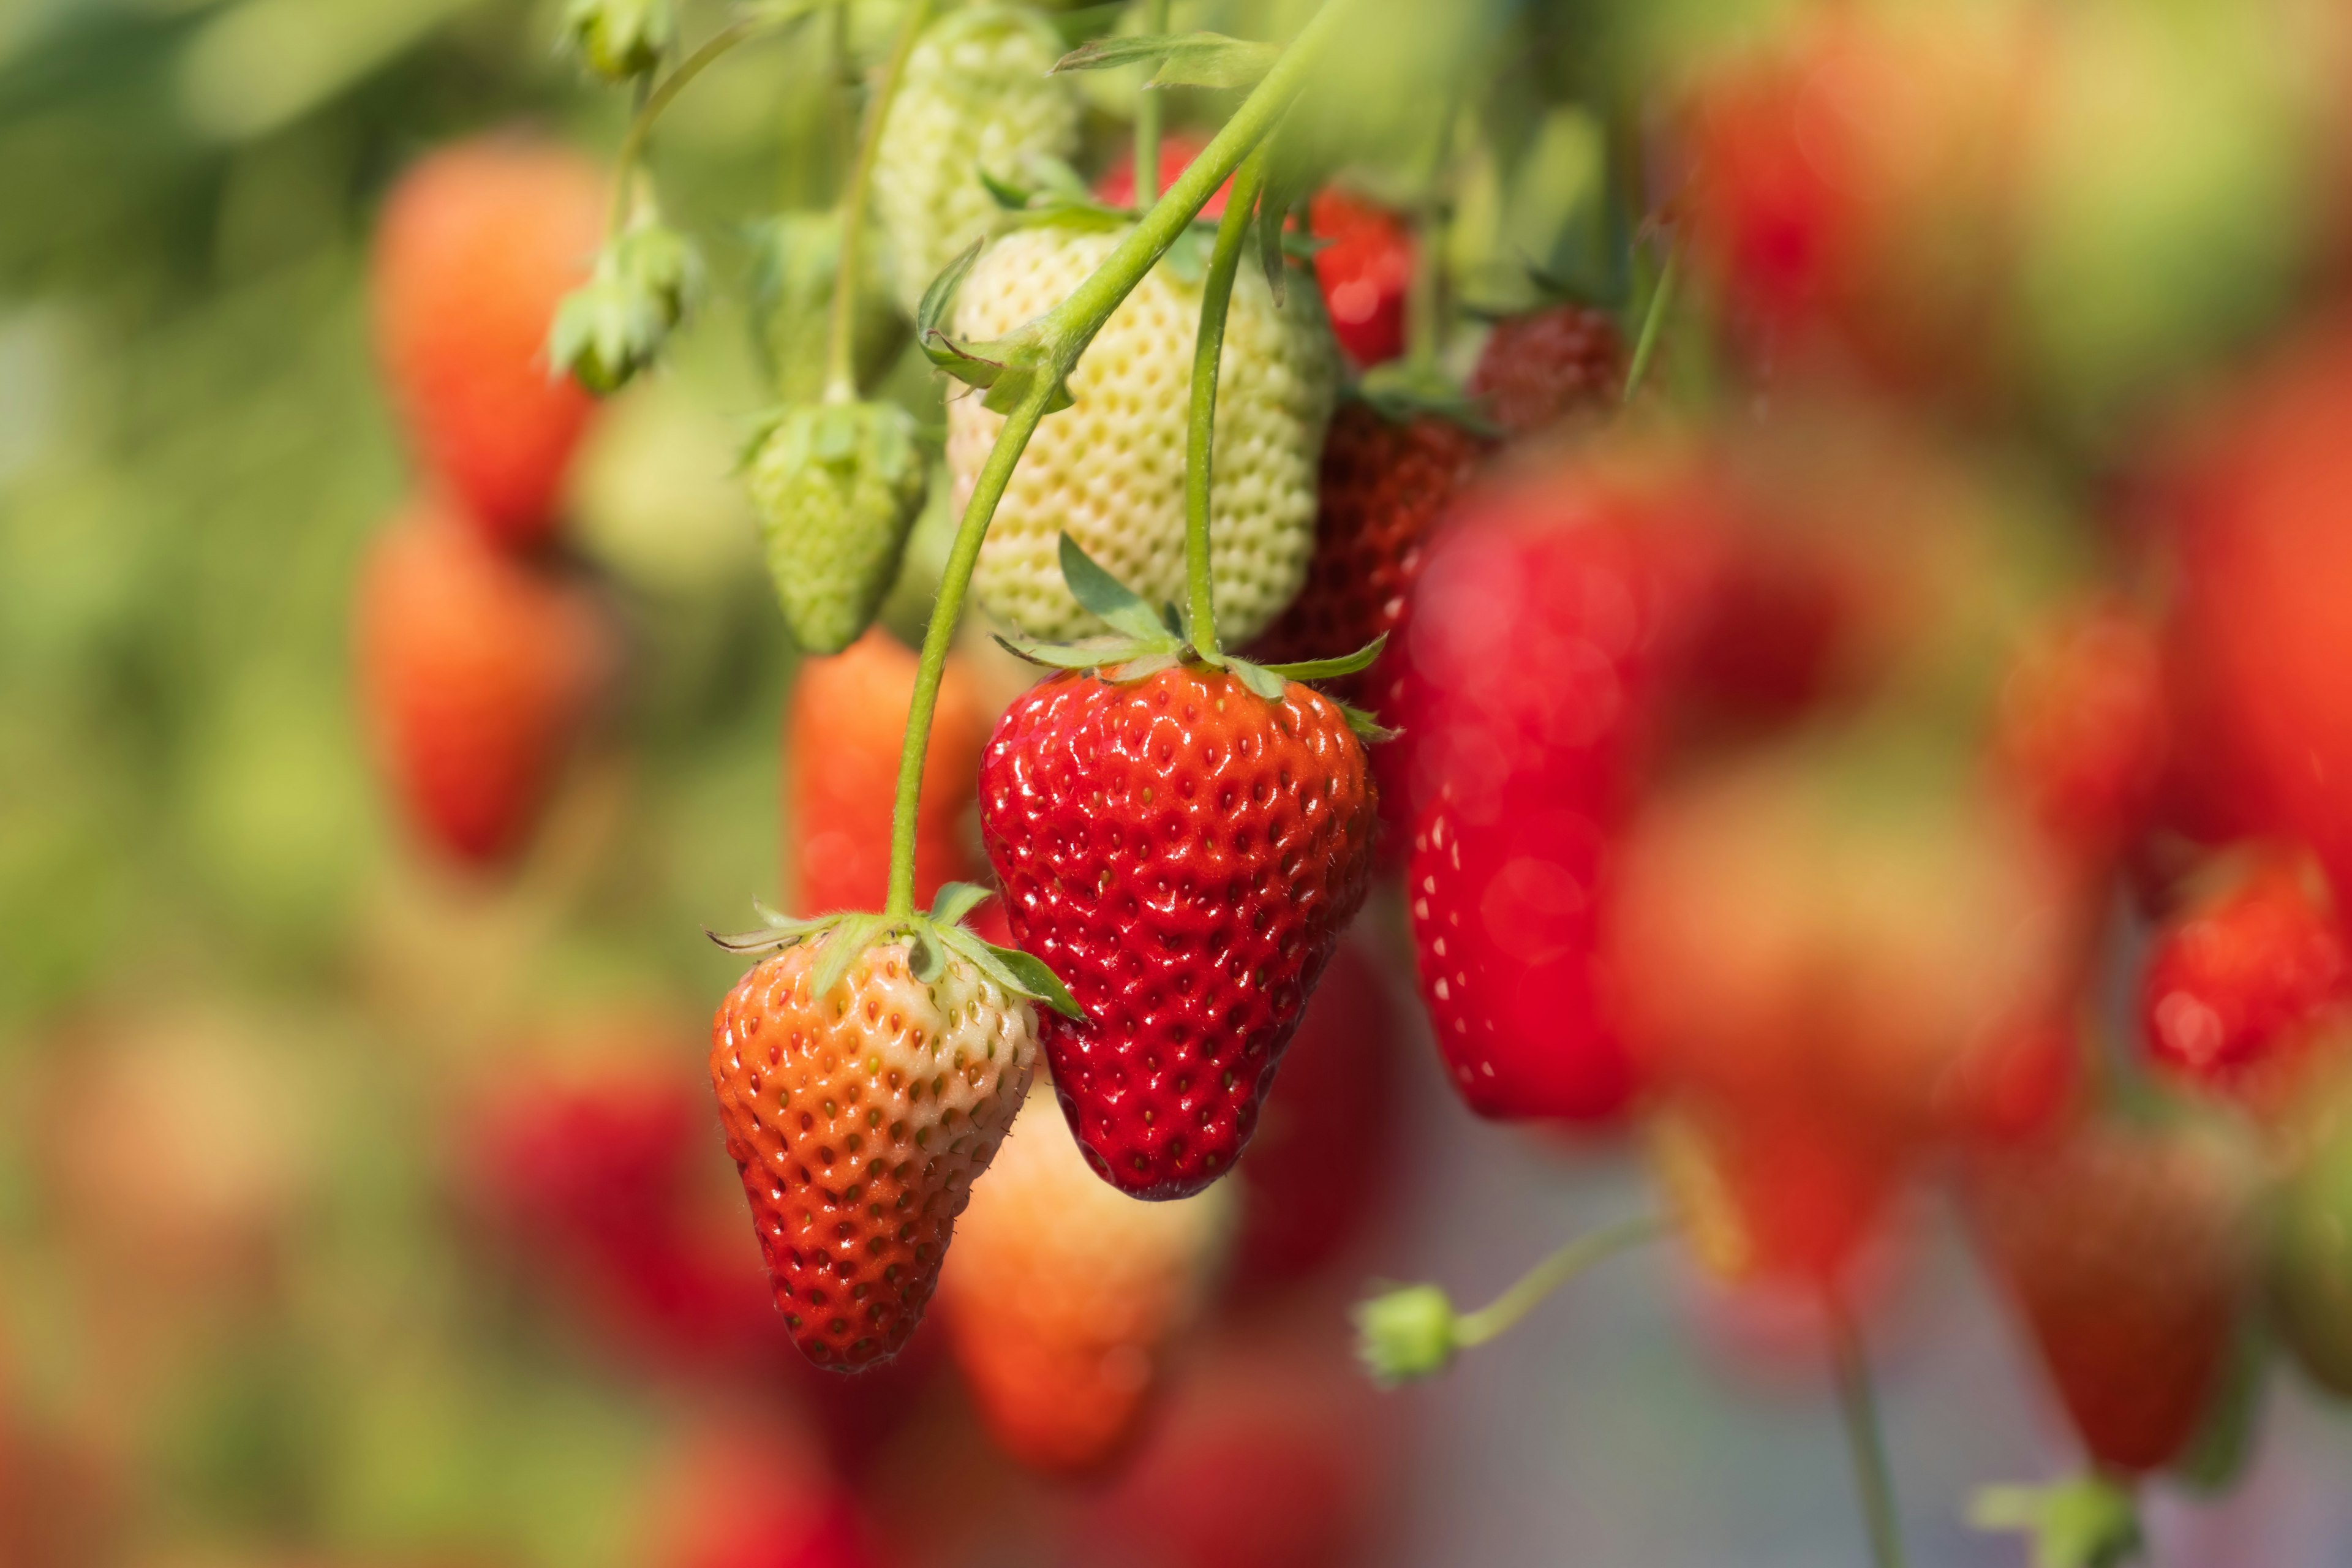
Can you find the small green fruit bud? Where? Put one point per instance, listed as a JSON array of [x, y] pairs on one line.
[[616, 323], [838, 486], [620, 39], [1405, 1333]]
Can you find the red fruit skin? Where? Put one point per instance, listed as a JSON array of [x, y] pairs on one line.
[[2265, 519], [1547, 365], [2084, 730], [1185, 855], [1366, 270], [1116, 188], [843, 732], [1384, 486], [478, 244], [477, 673], [2123, 1251], [1538, 642], [744, 1494], [1319, 1170], [2242, 983]]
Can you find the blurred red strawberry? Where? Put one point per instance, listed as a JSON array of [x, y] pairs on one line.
[[1366, 270], [1177, 150], [2240, 983], [2265, 513], [478, 244], [1847, 183], [2083, 729], [1322, 1165], [476, 672], [2124, 1250], [1544, 366], [743, 1492], [844, 731], [1779, 1194]]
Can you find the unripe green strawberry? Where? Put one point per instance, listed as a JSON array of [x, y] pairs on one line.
[[2310, 1264], [975, 98], [838, 486], [858, 1120], [793, 265], [1110, 470]]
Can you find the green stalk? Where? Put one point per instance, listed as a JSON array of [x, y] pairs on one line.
[[1502, 1314], [1067, 330], [1653, 319], [1147, 116], [1216, 296], [633, 145], [841, 335], [1859, 1405]]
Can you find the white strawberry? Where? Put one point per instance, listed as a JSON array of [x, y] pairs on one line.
[[1063, 1295], [1111, 469], [975, 97]]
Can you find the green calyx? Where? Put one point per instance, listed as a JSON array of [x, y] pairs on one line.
[[620, 40], [2089, 1523], [1407, 1333], [1143, 641], [1008, 369], [615, 324], [929, 939], [838, 486]]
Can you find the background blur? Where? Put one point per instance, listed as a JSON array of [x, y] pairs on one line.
[[269, 1295]]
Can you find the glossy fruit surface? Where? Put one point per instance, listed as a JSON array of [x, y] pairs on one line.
[[858, 1120], [1185, 854], [2245, 980]]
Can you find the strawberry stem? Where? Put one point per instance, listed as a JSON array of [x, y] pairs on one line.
[[1653, 316], [1216, 297], [841, 328], [1504, 1312], [1067, 329], [1147, 117], [651, 104], [1859, 1403]]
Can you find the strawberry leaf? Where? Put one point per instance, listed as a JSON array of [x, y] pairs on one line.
[[1021, 974], [1092, 652], [842, 946], [1324, 669], [941, 294], [957, 899], [1258, 678], [1186, 60], [927, 960], [1109, 599], [1367, 728]]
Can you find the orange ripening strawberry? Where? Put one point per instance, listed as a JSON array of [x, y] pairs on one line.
[[2124, 1251], [1183, 853], [477, 245], [1064, 1296], [858, 1118], [844, 731], [477, 672], [1384, 482], [1783, 1194], [2083, 729], [2240, 985]]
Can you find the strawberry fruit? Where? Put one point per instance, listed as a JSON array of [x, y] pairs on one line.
[[2238, 985]]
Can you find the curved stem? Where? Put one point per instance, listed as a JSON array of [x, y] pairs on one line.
[[633, 145], [1067, 329], [1859, 1404], [1424, 299], [1653, 319], [1216, 296], [1505, 1311], [841, 335], [1146, 118]]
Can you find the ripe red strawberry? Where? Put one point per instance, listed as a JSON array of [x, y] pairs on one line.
[[1366, 268], [842, 738], [2265, 528], [477, 672], [859, 1120], [1327, 1142], [1115, 187], [2238, 985], [1185, 854], [1775, 1194], [1064, 1296], [2082, 732], [1536, 648], [1547, 365], [479, 244], [1384, 484], [2123, 1251]]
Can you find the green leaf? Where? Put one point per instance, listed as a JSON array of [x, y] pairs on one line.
[[1021, 974], [1106, 596], [1016, 379], [1368, 729], [1258, 678], [1324, 668], [957, 899], [1008, 195], [1399, 395], [1186, 60], [1291, 177], [1089, 653], [848, 939], [941, 294]]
